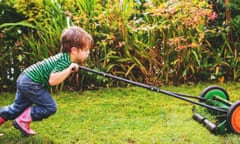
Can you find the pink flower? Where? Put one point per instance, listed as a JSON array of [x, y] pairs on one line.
[[17, 43], [181, 47], [68, 13], [1, 35], [212, 16]]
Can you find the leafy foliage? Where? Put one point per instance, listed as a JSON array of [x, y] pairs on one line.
[[154, 42], [222, 40]]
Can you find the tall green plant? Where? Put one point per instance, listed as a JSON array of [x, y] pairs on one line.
[[222, 37], [149, 41], [181, 25], [127, 57], [36, 35], [234, 7], [49, 20], [12, 58]]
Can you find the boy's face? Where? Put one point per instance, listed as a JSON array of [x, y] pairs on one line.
[[83, 54], [79, 55]]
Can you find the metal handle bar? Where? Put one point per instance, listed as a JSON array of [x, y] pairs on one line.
[[149, 87]]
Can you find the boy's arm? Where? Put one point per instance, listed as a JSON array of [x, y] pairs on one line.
[[58, 77]]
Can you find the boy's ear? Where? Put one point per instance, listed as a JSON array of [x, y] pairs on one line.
[[73, 50]]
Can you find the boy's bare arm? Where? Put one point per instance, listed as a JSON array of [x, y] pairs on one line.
[[59, 77]]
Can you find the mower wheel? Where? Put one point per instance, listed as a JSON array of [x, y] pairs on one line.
[[211, 91], [233, 118]]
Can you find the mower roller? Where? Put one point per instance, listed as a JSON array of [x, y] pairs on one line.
[[213, 103]]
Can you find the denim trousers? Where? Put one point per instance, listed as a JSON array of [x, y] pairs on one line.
[[30, 94]]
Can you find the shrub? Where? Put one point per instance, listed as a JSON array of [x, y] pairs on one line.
[[153, 42]]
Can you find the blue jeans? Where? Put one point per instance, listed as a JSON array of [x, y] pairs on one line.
[[30, 93]]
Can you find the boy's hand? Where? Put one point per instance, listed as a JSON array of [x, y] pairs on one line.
[[74, 67]]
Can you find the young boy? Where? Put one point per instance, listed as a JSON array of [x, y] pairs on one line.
[[33, 102]]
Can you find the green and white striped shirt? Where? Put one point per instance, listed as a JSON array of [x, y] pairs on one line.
[[41, 71]]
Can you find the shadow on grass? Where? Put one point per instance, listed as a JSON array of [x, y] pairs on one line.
[[12, 136], [17, 138]]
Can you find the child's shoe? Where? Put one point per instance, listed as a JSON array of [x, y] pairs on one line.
[[23, 123], [1, 120]]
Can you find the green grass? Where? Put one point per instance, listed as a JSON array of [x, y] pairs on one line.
[[121, 115]]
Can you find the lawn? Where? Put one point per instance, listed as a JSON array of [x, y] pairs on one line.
[[121, 115]]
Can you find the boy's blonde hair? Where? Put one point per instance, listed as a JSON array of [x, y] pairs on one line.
[[75, 37]]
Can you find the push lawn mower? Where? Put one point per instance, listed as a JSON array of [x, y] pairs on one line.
[[213, 102]]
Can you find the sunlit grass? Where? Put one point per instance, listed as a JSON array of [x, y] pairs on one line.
[[121, 115]]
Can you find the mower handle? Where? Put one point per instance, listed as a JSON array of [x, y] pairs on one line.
[[149, 87]]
